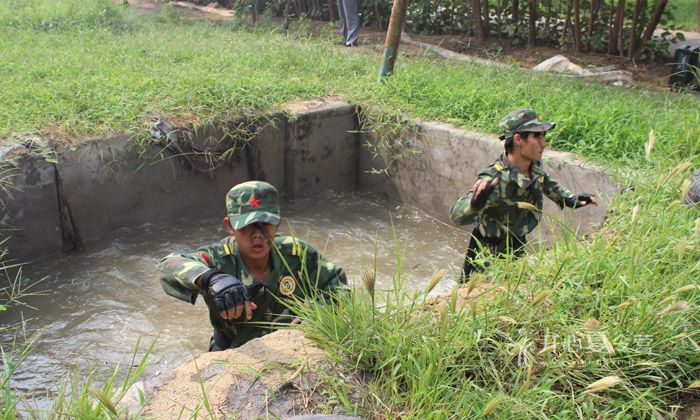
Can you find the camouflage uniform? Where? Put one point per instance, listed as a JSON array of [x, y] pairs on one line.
[[502, 225], [296, 270]]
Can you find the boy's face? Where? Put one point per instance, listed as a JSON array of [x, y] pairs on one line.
[[532, 146], [255, 240]]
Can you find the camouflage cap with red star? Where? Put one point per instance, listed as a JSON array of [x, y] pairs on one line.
[[251, 202]]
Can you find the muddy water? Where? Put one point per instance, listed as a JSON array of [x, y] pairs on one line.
[[100, 302]]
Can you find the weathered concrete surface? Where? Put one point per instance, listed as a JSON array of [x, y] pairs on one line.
[[29, 210], [309, 147], [104, 184], [322, 148], [448, 160], [109, 186]]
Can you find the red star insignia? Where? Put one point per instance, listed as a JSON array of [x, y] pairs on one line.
[[254, 202]]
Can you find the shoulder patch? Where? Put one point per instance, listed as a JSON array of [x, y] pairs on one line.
[[498, 166], [206, 259]]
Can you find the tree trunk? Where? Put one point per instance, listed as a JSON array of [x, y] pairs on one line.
[[476, 20], [567, 22], [639, 6], [515, 10], [486, 19], [649, 31], [531, 23], [621, 27], [548, 19], [698, 15], [331, 10], [612, 29], [285, 16], [595, 7], [577, 26]]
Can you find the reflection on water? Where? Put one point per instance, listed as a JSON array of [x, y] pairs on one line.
[[99, 302]]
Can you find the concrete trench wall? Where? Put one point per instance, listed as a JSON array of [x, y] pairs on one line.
[[58, 203], [448, 159]]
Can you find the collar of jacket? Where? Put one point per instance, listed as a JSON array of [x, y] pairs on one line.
[[536, 172]]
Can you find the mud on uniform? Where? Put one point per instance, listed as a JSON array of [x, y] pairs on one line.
[[501, 225], [296, 269]]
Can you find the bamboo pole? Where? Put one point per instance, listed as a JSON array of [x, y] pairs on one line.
[[393, 37]]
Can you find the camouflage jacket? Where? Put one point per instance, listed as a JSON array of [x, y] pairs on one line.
[[297, 269], [501, 215]]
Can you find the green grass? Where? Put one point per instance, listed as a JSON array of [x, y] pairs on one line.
[[110, 74], [623, 305], [685, 14]]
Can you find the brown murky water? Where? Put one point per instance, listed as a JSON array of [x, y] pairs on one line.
[[100, 302]]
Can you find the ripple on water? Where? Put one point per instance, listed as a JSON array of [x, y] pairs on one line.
[[101, 301]]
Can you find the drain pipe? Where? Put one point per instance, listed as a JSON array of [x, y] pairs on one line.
[[393, 38]]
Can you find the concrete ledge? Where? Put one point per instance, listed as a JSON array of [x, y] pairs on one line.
[[448, 159], [100, 185]]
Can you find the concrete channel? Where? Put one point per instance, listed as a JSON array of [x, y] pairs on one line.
[[62, 197]]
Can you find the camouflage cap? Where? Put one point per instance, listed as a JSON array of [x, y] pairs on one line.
[[523, 120], [251, 202]]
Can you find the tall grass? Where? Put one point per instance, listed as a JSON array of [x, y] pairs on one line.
[[606, 328], [87, 79]]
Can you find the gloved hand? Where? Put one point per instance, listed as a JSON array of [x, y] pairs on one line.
[[482, 190], [584, 199], [227, 294]]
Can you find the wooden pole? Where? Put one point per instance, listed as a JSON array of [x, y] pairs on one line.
[[393, 37]]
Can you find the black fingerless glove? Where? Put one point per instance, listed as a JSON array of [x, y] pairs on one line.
[[480, 201], [223, 290], [583, 200]]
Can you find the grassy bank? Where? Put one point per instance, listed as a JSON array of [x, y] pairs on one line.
[[112, 71], [599, 329]]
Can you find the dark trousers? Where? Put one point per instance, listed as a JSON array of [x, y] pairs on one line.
[[499, 246]]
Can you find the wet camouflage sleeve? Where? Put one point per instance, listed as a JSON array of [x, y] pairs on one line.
[[462, 213], [178, 272], [560, 195]]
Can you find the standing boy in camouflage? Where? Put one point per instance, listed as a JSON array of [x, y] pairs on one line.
[[500, 224], [246, 278]]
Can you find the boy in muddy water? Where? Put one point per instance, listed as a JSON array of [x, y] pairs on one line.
[[505, 202], [246, 278]]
